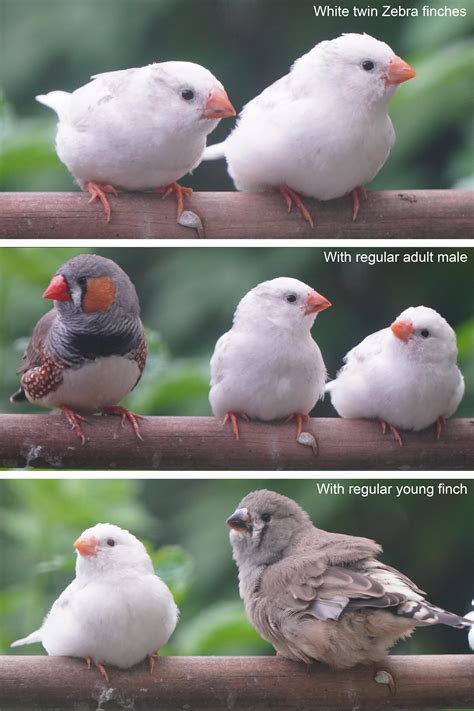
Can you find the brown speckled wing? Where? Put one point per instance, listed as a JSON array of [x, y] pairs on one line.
[[140, 358], [40, 373], [33, 355]]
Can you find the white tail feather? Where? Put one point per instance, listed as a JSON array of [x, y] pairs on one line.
[[56, 100], [214, 152], [31, 639]]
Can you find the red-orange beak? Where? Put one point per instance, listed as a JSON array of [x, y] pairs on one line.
[[399, 71], [218, 105], [86, 546], [402, 330], [315, 303], [57, 289]]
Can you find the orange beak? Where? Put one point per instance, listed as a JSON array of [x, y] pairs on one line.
[[86, 546], [57, 289], [315, 303], [399, 71], [402, 330], [218, 105]]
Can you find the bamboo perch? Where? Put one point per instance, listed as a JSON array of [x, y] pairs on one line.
[[204, 443], [245, 683], [421, 214]]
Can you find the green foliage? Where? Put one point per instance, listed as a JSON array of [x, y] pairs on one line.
[[58, 44], [182, 523]]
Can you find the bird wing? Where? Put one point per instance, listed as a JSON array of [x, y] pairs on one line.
[[367, 349], [92, 99], [313, 588], [33, 356], [324, 592], [218, 359]]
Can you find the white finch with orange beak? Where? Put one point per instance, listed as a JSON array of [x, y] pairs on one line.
[[406, 375], [138, 129], [323, 130], [116, 611], [268, 367]]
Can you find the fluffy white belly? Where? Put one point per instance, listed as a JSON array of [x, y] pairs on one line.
[[95, 385]]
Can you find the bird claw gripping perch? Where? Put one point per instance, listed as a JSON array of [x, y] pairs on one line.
[[97, 191], [125, 415], [301, 418], [233, 418], [75, 420], [396, 434], [291, 197], [180, 193], [359, 190]]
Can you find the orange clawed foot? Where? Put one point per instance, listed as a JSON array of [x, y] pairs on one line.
[[359, 190], [301, 418], [291, 197], [180, 193], [100, 667], [75, 420], [125, 415], [97, 191], [151, 659], [233, 418], [439, 427], [393, 430]]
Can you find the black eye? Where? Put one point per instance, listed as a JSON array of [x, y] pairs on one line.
[[266, 517], [110, 542], [291, 298], [187, 94], [368, 65], [82, 281], [425, 333]]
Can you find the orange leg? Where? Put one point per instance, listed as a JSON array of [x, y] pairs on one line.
[[301, 418], [233, 418], [74, 420], [97, 191], [151, 658], [291, 197], [125, 415], [180, 193], [393, 430], [359, 190], [100, 667], [439, 427]]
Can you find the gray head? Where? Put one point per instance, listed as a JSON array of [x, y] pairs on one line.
[[106, 548], [92, 289], [264, 525]]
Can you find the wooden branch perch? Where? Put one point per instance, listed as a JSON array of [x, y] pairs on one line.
[[244, 683], [421, 214], [204, 443]]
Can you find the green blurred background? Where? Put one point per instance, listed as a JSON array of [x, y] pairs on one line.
[[247, 44], [183, 525], [188, 297]]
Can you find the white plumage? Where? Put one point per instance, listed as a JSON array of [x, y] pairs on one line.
[[268, 366], [405, 375], [323, 129], [133, 129], [116, 611], [470, 616]]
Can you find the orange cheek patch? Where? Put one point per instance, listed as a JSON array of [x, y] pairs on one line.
[[100, 294]]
